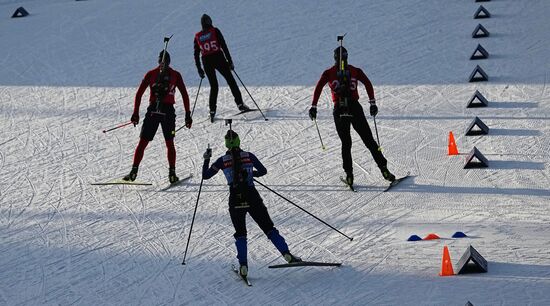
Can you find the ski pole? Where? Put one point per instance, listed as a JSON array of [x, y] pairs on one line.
[[193, 220], [196, 97], [332, 227], [250, 94], [118, 127], [319, 133], [377, 139]]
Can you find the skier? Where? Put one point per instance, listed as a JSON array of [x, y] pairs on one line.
[[237, 166], [342, 79], [162, 82], [215, 56]]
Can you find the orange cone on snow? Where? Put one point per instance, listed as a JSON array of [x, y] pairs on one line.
[[431, 237], [453, 150], [446, 264]]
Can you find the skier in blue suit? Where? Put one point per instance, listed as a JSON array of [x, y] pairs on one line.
[[238, 167]]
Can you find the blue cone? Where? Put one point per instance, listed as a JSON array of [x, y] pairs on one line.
[[414, 238], [459, 235]]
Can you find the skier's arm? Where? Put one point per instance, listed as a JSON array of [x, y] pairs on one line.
[[223, 45], [361, 76], [197, 54], [319, 88], [208, 172], [181, 87], [140, 91], [260, 169]]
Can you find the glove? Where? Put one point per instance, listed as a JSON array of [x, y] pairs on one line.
[[313, 113], [207, 154], [373, 107], [188, 120], [230, 63], [201, 73], [135, 118]]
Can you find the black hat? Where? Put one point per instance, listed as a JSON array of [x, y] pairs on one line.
[[337, 54], [166, 58], [206, 21]]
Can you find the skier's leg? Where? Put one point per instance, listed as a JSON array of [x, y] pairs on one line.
[[343, 130], [148, 131], [223, 68], [140, 151], [238, 218], [210, 72], [168, 125], [362, 128], [259, 213]]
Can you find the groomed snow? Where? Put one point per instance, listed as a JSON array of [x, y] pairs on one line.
[[71, 69]]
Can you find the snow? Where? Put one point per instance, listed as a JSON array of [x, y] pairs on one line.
[[71, 69]]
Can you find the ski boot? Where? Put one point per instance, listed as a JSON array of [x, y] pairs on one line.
[[291, 258], [212, 115], [172, 176], [387, 174], [243, 107], [349, 178], [243, 270], [132, 175]]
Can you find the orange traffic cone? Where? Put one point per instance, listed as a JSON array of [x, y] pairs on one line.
[[446, 264], [453, 150]]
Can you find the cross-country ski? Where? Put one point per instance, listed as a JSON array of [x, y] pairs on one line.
[[121, 182], [396, 182], [307, 264], [350, 186], [176, 183], [242, 277]]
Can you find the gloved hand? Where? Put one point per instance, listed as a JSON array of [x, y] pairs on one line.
[[201, 73], [207, 154], [313, 113], [188, 120], [135, 118], [373, 107], [231, 66]]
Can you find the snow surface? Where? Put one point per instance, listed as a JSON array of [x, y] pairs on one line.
[[71, 68]]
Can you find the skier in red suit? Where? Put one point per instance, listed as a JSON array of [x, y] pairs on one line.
[[343, 82], [215, 56], [162, 82]]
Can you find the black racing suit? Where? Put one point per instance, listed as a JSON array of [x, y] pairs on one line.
[[221, 61]]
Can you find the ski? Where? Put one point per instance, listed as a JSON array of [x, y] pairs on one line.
[[397, 181], [350, 186], [307, 264], [233, 115], [121, 182], [244, 278], [177, 183], [246, 111]]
